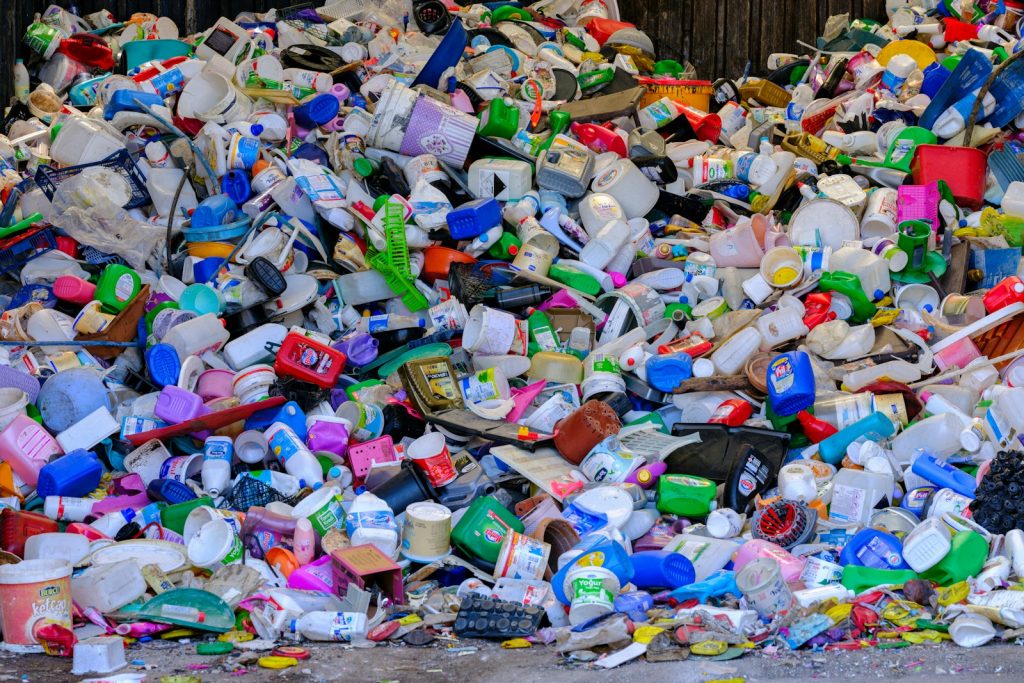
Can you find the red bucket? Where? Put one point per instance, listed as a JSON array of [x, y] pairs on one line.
[[964, 169]]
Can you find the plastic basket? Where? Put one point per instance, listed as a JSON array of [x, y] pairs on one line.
[[305, 18], [250, 492], [696, 94], [393, 263], [121, 162], [472, 283], [19, 249]]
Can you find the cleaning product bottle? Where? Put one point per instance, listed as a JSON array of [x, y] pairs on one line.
[[21, 81], [665, 373], [291, 452], [329, 626], [304, 541], [216, 470], [814, 429], [942, 474], [790, 380], [686, 495], [370, 520], [749, 477], [543, 336]]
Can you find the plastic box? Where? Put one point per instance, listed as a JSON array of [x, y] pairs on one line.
[[963, 168]]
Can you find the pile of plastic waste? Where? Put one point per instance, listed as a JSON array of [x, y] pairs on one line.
[[387, 323]]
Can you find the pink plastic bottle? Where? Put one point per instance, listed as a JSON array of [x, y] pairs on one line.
[[315, 576], [27, 446], [74, 289], [755, 548], [304, 543]]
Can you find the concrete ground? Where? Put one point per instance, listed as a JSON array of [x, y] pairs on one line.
[[404, 664]]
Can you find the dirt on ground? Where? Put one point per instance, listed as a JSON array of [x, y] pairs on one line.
[[539, 664]]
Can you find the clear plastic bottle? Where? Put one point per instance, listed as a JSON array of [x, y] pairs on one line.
[[938, 435], [329, 626], [842, 410], [21, 81]]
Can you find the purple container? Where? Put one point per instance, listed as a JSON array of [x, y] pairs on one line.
[[439, 129], [360, 348], [176, 405]]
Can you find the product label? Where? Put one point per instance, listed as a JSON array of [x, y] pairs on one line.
[[124, 288], [875, 553], [285, 444], [168, 83], [342, 627], [218, 449], [480, 387], [782, 375], [847, 503], [374, 520]]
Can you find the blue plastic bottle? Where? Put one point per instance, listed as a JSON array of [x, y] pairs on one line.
[[874, 427], [666, 373], [214, 211], [875, 549], [170, 491], [661, 569], [75, 474], [790, 381], [944, 475]]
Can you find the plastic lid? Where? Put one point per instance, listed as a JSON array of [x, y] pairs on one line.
[[970, 440], [363, 167]]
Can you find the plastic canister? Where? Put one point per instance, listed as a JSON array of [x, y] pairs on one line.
[[482, 528], [27, 446], [661, 569], [426, 533], [84, 140], [927, 544], [522, 557], [634, 191], [731, 356], [797, 482], [790, 380], [36, 593], [855, 493], [875, 549], [782, 267], [214, 544], [75, 474], [780, 326], [686, 495], [322, 508]]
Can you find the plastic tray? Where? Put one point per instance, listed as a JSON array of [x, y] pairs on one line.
[[49, 178]]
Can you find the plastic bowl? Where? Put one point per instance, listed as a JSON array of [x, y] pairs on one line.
[[437, 261], [139, 52]]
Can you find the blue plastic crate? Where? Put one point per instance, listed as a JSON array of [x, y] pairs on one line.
[[48, 178], [19, 249]]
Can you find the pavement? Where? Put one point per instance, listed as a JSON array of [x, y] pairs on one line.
[[539, 664]]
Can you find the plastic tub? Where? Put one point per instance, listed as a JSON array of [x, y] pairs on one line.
[[963, 168], [35, 593]]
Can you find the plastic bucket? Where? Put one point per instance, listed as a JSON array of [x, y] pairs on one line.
[[430, 454], [252, 385], [917, 297], [762, 585], [214, 544], [489, 331], [366, 419], [591, 592], [427, 532], [522, 557], [964, 169], [322, 508], [205, 514], [12, 404], [782, 267], [392, 116], [439, 129], [34, 593]]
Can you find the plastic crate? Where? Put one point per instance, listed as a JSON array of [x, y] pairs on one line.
[[696, 94], [19, 249], [121, 163], [250, 492]]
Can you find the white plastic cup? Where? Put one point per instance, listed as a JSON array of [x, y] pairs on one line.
[[762, 585], [251, 447]]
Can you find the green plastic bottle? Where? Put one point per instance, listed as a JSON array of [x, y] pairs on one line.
[[859, 579], [849, 285], [543, 336], [967, 554], [505, 248], [686, 495], [499, 119], [577, 279], [118, 285]]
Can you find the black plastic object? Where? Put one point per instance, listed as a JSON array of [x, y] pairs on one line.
[[751, 475], [678, 129], [311, 58], [245, 319], [518, 297], [399, 423], [997, 503], [722, 447], [725, 91], [392, 339], [432, 17], [481, 617], [785, 523], [690, 207], [658, 169], [266, 276], [404, 489]]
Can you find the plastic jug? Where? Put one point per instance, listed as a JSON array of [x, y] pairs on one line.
[[967, 554], [481, 530], [790, 380], [84, 140], [938, 435], [876, 549], [75, 474], [874, 427], [860, 579], [790, 564], [707, 554], [942, 474], [871, 270], [856, 494], [118, 285], [1005, 417], [731, 356], [27, 446], [686, 495], [661, 569]]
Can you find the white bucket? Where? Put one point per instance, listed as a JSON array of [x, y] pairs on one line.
[[146, 460], [522, 557], [391, 117], [592, 591], [322, 508], [214, 544], [203, 515], [211, 97], [762, 585], [427, 531], [489, 331], [12, 404], [253, 383]]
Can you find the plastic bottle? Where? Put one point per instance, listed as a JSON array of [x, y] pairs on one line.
[[21, 81], [666, 373], [216, 470], [926, 545], [942, 474], [954, 119], [874, 427], [754, 168], [749, 477], [304, 543], [733, 412], [790, 380], [685, 495], [263, 529], [110, 523], [897, 71], [938, 435], [68, 509], [842, 410], [542, 333], [291, 452], [388, 321], [370, 520], [329, 626]]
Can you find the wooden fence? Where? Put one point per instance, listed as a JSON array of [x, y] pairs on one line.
[[718, 36]]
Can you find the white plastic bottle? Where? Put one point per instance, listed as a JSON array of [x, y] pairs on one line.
[[897, 71], [607, 242], [68, 509], [1005, 417], [291, 451], [304, 541], [21, 81], [329, 626], [370, 520], [157, 154], [386, 322], [216, 471], [109, 524], [939, 435], [754, 168]]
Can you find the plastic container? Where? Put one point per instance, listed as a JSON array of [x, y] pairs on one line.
[[686, 495], [27, 446], [938, 435], [967, 555], [874, 427], [762, 585], [875, 549], [926, 545], [790, 380], [481, 530], [732, 355], [109, 586], [962, 168], [592, 591], [215, 543], [944, 475], [370, 520], [856, 494], [36, 593], [661, 569], [75, 474]]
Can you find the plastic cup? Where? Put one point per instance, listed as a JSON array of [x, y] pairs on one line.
[[430, 453]]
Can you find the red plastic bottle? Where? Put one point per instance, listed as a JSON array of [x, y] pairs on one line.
[[817, 309], [814, 429], [599, 138], [733, 412], [1009, 291]]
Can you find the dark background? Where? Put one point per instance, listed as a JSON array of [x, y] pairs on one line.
[[718, 36]]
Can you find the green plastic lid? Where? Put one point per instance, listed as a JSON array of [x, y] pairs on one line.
[[217, 647], [364, 167]]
